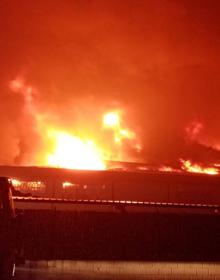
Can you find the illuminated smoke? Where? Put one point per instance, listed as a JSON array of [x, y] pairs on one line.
[[193, 130], [93, 57], [75, 147]]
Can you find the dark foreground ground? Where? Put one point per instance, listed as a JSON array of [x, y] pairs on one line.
[[80, 270], [57, 235]]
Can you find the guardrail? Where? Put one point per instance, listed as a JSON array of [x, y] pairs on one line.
[[215, 207]]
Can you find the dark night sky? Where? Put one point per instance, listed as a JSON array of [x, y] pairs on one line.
[[158, 59]]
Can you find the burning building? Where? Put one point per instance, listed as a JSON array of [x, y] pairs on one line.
[[84, 102], [116, 185]]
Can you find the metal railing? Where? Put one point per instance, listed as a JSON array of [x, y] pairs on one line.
[[118, 203]]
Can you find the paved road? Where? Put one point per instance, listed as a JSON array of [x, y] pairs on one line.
[[81, 270]]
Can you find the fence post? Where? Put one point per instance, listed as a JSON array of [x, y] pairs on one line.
[[6, 197], [7, 230]]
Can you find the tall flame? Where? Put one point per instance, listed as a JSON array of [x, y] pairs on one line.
[[65, 148], [70, 151]]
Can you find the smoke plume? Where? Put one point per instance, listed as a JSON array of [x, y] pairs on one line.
[[157, 60]]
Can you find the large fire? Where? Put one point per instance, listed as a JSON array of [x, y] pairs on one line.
[[82, 150], [72, 152]]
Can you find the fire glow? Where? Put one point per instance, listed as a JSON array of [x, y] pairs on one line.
[[74, 153], [111, 120], [82, 150], [64, 148], [188, 166]]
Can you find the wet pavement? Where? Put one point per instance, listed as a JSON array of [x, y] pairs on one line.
[[81, 270]]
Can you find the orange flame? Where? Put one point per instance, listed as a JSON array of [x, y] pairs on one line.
[[74, 153], [112, 120], [168, 169], [62, 148], [188, 166]]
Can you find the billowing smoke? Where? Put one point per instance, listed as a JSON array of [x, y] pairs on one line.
[[158, 60]]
